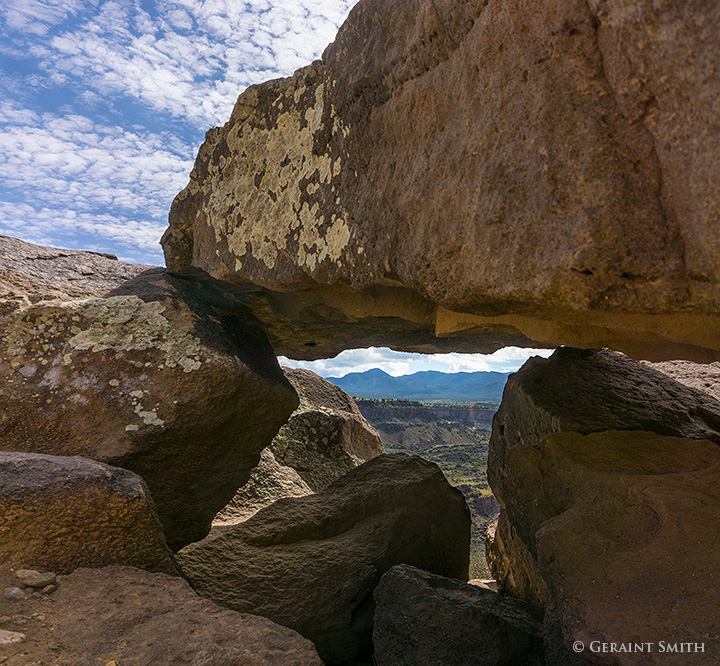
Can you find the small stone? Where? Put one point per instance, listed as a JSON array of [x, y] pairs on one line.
[[37, 595], [49, 589], [10, 637], [14, 594], [53, 645], [35, 578], [111, 663]]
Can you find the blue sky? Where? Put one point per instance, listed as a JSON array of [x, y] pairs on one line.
[[104, 103]]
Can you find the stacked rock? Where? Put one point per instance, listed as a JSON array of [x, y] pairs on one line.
[[32, 585]]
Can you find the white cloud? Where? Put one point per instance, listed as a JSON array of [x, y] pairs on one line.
[[396, 363], [192, 58], [37, 16], [70, 172]]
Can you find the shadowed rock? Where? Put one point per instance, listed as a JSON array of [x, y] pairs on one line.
[[153, 374], [311, 563], [424, 620], [133, 618], [325, 437], [606, 470]]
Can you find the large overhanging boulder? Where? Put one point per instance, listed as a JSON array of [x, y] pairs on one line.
[[467, 175], [126, 365]]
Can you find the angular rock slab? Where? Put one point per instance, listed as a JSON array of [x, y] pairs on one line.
[[582, 391], [154, 374], [512, 564], [325, 437], [268, 482], [136, 618], [493, 171], [607, 472], [424, 620], [62, 513], [311, 563]]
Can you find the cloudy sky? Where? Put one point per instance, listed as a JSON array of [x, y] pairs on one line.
[[395, 363], [104, 103]]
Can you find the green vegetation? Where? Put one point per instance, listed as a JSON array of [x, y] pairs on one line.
[[459, 450]]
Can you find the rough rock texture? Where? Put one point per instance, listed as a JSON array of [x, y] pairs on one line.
[[606, 470], [153, 374], [311, 563], [705, 378], [63, 513], [512, 564], [425, 620], [501, 172], [130, 617], [325, 437], [268, 482]]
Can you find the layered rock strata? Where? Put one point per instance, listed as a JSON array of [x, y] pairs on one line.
[[126, 365], [62, 513], [606, 471], [456, 175], [311, 563]]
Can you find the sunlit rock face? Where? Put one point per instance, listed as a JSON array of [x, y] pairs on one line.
[[467, 175], [126, 365]]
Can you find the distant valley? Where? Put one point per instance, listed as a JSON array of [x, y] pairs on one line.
[[454, 436]]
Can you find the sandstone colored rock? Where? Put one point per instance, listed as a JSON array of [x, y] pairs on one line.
[[455, 175], [135, 618], [424, 620], [139, 370], [629, 556], [311, 563], [606, 471], [512, 564], [268, 482], [325, 437], [63, 513]]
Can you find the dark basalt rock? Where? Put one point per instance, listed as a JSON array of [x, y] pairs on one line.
[[424, 620]]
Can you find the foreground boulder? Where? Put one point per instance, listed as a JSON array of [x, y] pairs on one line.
[[153, 374], [424, 620], [311, 563], [64, 513], [125, 616], [606, 470], [325, 437], [475, 173]]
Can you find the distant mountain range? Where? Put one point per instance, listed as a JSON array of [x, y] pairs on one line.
[[429, 385]]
